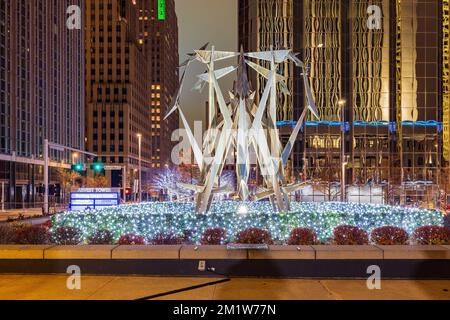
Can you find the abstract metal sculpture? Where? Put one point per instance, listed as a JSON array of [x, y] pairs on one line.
[[240, 126]]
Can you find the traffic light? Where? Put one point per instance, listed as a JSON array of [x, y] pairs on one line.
[[97, 167], [79, 167]]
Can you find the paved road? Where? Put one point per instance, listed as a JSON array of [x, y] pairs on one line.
[[44, 287], [33, 216]]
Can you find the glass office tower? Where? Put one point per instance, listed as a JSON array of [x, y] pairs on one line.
[[379, 74]]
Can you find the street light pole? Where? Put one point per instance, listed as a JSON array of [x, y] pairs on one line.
[[74, 162], [343, 160], [124, 183], [46, 176], [140, 166]]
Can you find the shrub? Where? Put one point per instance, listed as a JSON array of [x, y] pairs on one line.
[[215, 236], [431, 235], [447, 221], [131, 239], [47, 224], [32, 235], [167, 239], [302, 236], [7, 234], [101, 237], [350, 235], [254, 236], [389, 236], [188, 236], [67, 236]]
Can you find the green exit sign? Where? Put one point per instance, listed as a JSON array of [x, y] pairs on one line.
[[161, 9]]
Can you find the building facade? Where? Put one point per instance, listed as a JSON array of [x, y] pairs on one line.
[[158, 35], [41, 95], [117, 95], [379, 74]]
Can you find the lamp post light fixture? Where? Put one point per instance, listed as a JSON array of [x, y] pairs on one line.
[[139, 136], [74, 157], [75, 163], [344, 163]]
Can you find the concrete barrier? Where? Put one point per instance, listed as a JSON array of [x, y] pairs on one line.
[[326, 252], [211, 253], [397, 262], [79, 252], [192, 252], [415, 252], [23, 251], [283, 253], [146, 252]]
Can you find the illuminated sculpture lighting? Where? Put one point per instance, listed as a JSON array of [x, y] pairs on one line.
[[241, 125]]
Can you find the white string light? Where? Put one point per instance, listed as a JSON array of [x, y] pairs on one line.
[[151, 219]]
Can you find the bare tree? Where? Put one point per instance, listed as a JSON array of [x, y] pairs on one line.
[[168, 180], [97, 181], [68, 180]]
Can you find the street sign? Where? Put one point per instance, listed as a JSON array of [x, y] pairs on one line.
[[112, 168], [81, 201]]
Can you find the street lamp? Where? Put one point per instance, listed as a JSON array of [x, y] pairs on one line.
[[341, 104], [139, 136], [74, 158], [75, 163]]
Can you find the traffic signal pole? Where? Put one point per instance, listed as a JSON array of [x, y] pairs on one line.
[[124, 178], [47, 146]]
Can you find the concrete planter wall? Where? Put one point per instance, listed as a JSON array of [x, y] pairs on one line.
[[396, 262], [190, 252]]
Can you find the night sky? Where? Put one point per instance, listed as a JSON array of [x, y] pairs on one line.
[[201, 21]]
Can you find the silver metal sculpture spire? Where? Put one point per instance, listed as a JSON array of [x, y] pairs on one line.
[[240, 127]]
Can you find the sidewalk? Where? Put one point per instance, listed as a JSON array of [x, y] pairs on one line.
[[128, 288], [15, 213]]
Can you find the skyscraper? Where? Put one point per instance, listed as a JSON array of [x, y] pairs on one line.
[[117, 95], [41, 93], [379, 75], [158, 35]]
